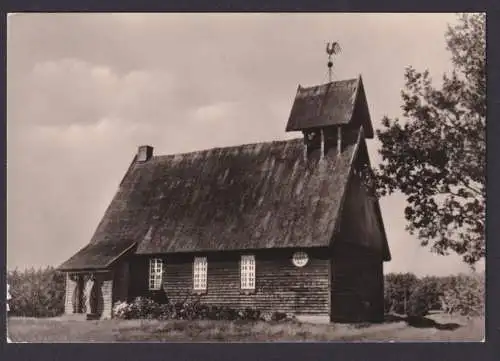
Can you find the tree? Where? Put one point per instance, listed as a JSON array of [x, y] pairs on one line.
[[426, 296], [398, 288], [36, 293], [464, 294], [418, 304], [436, 156], [432, 286]]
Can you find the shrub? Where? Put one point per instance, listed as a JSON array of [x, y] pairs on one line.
[[419, 301], [279, 316], [432, 290], [144, 308], [36, 293], [464, 294], [425, 296], [121, 309], [266, 316], [250, 314], [398, 288], [461, 294]]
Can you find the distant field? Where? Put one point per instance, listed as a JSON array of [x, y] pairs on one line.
[[436, 327]]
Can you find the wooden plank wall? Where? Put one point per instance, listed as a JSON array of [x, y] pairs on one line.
[[121, 281], [357, 291], [280, 285]]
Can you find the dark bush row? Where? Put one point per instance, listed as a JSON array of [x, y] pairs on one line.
[[458, 294], [145, 308], [36, 293]]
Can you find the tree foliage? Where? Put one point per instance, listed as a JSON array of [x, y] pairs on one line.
[[418, 304], [436, 155], [464, 294], [432, 287], [398, 288], [405, 293], [36, 292], [426, 296]]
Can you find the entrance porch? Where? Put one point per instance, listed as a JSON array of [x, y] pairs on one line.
[[89, 294]]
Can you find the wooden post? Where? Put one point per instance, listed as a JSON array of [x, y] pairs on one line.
[[339, 140], [88, 294], [69, 295], [322, 144], [305, 145]]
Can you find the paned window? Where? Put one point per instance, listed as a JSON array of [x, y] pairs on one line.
[[247, 272], [200, 273], [155, 273]]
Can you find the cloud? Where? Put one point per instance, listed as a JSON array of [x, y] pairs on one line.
[[214, 112], [71, 91]]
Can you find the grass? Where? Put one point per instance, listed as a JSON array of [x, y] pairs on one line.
[[436, 327]]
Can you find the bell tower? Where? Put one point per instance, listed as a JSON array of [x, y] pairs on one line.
[[330, 115]]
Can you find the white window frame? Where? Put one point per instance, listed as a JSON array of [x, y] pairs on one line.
[[200, 268], [155, 274], [247, 272]]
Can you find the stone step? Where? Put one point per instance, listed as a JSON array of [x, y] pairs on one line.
[[93, 316]]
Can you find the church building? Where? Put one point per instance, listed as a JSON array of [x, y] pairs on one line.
[[286, 226]]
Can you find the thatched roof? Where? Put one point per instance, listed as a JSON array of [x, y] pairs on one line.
[[98, 255], [332, 103], [254, 196]]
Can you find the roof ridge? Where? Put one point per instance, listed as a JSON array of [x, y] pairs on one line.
[[330, 83], [239, 146]]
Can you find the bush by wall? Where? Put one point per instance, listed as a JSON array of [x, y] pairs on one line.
[[36, 293], [144, 308]]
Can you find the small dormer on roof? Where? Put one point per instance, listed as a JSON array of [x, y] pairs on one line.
[[337, 103]]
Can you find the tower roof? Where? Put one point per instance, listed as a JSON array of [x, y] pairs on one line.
[[335, 103]]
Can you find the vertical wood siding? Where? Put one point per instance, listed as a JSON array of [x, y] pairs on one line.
[[138, 285], [357, 285], [357, 281], [121, 281]]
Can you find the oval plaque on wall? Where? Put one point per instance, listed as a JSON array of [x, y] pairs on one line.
[[300, 259]]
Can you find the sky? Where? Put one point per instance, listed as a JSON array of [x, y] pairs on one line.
[[85, 90]]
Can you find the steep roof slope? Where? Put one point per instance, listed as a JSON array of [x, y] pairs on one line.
[[252, 196], [332, 103], [98, 255]]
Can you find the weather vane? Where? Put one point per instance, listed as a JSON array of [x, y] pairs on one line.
[[331, 49]]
